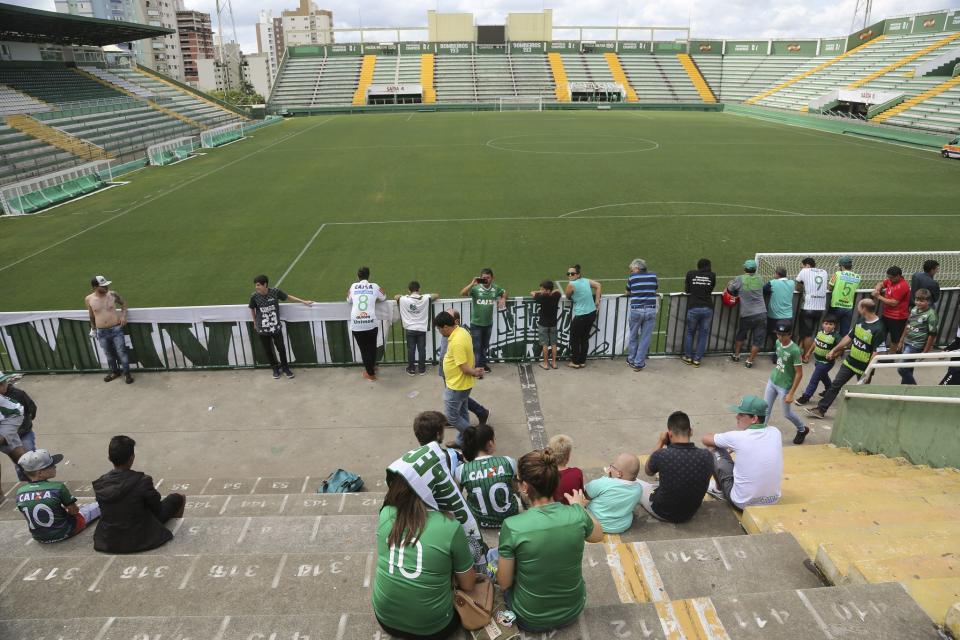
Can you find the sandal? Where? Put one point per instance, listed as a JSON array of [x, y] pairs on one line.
[[544, 367]]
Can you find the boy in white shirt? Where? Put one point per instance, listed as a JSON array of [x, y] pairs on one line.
[[415, 314], [756, 477]]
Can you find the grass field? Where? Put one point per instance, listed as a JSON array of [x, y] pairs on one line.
[[437, 196]]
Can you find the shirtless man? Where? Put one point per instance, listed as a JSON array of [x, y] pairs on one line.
[[108, 323]]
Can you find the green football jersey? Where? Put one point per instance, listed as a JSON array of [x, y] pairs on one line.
[[484, 302], [825, 342], [788, 357], [866, 336], [42, 504], [845, 286], [487, 483]]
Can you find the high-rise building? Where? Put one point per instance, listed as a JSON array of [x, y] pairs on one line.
[[270, 40], [196, 41], [307, 25], [224, 71], [256, 72]]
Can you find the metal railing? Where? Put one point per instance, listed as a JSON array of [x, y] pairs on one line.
[[930, 360]]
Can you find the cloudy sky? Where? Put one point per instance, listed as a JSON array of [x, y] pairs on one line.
[[707, 18]]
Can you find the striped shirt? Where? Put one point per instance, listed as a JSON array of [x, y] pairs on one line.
[[642, 289]]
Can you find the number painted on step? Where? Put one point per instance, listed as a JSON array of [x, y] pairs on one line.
[[249, 504], [850, 610], [54, 573], [180, 486], [198, 504], [314, 570], [619, 629], [233, 571], [232, 485], [280, 485], [135, 573], [682, 556]]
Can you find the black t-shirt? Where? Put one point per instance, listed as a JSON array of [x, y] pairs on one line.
[[685, 471], [700, 285], [549, 304], [921, 280], [268, 310]]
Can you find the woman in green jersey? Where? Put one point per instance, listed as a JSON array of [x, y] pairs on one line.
[[541, 550], [487, 479], [418, 552]]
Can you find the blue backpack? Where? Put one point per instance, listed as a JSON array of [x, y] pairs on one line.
[[341, 481]]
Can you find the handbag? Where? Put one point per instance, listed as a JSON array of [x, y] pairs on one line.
[[341, 481], [475, 607]]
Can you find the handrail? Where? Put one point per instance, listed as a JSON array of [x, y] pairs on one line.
[[898, 360], [891, 396]]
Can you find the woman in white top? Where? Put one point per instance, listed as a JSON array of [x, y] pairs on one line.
[[363, 297]]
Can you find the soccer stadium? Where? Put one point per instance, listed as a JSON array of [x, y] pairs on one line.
[[315, 308]]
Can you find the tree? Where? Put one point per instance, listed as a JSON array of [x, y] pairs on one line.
[[245, 96]]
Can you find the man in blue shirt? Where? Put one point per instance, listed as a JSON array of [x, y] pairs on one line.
[[780, 308], [642, 291]]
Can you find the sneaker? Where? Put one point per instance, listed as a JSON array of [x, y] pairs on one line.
[[484, 418], [113, 375], [748, 364], [487, 368], [411, 371], [128, 378], [639, 367], [422, 371], [287, 372], [369, 377], [630, 364], [802, 400], [816, 413], [276, 373], [734, 358], [801, 436], [822, 393], [686, 360], [696, 363]]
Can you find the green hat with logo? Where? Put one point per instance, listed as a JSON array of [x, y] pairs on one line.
[[751, 405], [750, 264], [845, 261]]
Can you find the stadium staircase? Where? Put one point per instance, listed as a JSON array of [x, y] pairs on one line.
[[659, 78], [176, 101], [738, 78], [426, 78], [366, 79], [893, 66], [269, 558], [620, 77], [560, 82], [152, 102], [56, 138], [706, 94], [952, 85]]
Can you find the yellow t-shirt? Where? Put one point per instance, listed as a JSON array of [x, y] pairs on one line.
[[459, 351]]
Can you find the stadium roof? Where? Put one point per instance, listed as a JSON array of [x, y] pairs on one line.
[[20, 24]]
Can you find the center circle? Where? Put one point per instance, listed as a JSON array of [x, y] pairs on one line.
[[572, 144]]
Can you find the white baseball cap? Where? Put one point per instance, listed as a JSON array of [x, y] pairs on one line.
[[102, 282], [38, 460]]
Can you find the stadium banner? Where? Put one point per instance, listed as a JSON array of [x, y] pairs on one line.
[[930, 23], [953, 22], [898, 26], [800, 48], [633, 46], [417, 47], [175, 338], [669, 47], [563, 46], [866, 96], [346, 49], [600, 46], [706, 47], [491, 49], [832, 46], [455, 48], [306, 51], [747, 47], [864, 35], [526, 47], [377, 49], [395, 89]]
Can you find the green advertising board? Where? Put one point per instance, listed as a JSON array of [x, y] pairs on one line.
[[374, 48], [930, 23], [347, 49], [491, 49], [306, 51], [603, 46], [564, 46], [669, 47], [800, 48], [833, 47], [454, 48], [864, 35], [706, 47], [953, 22], [747, 47], [898, 26], [526, 47], [633, 46], [416, 47]]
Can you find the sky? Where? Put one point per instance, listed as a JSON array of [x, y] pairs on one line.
[[735, 19]]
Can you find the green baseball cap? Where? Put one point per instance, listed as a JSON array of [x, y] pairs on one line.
[[750, 264], [751, 405], [846, 261]]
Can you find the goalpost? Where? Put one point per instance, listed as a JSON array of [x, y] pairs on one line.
[[170, 151], [872, 266], [520, 103], [221, 135]]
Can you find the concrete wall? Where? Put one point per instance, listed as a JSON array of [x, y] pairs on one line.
[[20, 50], [920, 432], [451, 27], [534, 27]]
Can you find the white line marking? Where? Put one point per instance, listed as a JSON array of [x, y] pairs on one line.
[[584, 633], [222, 629], [28, 542], [167, 192], [343, 500], [13, 574], [709, 619], [243, 532], [300, 255], [619, 577], [726, 564], [316, 530], [103, 630], [283, 504], [815, 614], [225, 503], [177, 526], [253, 489], [368, 570], [342, 627], [306, 480], [103, 571], [158, 483], [668, 620], [712, 204], [186, 576], [649, 572], [409, 117], [205, 485], [10, 490], [276, 576]]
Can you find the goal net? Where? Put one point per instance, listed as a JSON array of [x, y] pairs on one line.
[[872, 266], [520, 103], [42, 192], [170, 151], [221, 135]]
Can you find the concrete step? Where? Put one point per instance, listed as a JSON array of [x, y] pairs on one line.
[[879, 612], [936, 596], [834, 559], [914, 567], [894, 535]]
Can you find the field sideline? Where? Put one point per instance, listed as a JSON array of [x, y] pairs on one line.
[[436, 196]]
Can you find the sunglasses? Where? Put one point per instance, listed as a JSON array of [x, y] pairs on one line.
[[571, 273]]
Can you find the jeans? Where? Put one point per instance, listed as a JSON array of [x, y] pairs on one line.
[[723, 466], [641, 321], [580, 336], [906, 373], [114, 348], [271, 340], [843, 316], [698, 322], [456, 408], [843, 377], [367, 343], [821, 371], [417, 342], [481, 344], [773, 392]]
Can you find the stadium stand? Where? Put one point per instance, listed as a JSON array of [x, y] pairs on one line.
[[737, 78], [532, 77], [12, 101], [659, 78], [23, 156], [494, 78], [54, 83], [184, 103], [456, 79]]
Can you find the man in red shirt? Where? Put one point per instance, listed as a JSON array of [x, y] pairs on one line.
[[893, 296]]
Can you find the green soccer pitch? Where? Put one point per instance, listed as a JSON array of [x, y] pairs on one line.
[[437, 196]]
